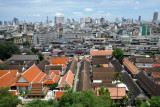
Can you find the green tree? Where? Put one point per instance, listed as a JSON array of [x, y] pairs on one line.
[[154, 101], [29, 53], [6, 50], [117, 76], [54, 85], [42, 103], [26, 43], [118, 53], [7, 99], [40, 56], [1, 66], [125, 101]]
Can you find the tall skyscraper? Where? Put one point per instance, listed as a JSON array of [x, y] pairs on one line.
[[59, 19], [47, 20], [15, 21], [139, 19], [117, 20], [81, 20], [88, 20], [102, 20], [68, 21], [155, 16]]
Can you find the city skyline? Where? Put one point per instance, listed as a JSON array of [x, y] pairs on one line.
[[38, 10]]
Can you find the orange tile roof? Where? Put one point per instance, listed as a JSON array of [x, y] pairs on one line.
[[132, 68], [105, 65], [86, 59], [32, 74], [14, 73], [59, 94], [156, 74], [58, 61], [55, 71], [6, 79], [39, 78], [113, 92], [21, 84], [52, 78], [68, 78], [62, 57], [101, 52], [3, 72]]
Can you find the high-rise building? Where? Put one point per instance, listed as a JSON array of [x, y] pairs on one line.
[[81, 20], [102, 20], [88, 20], [15, 21], [59, 19], [146, 30], [0, 22], [68, 21], [139, 19], [155, 16], [47, 20], [117, 20]]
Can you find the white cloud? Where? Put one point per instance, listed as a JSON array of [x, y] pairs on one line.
[[100, 11], [137, 2], [88, 9], [78, 13], [36, 15], [59, 14], [136, 8], [108, 14]]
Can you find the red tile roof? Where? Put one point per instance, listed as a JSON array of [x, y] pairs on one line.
[[33, 74], [3, 72], [7, 80], [101, 52], [52, 78], [156, 74], [21, 84], [55, 71], [68, 78], [59, 94], [155, 65], [58, 61], [132, 68], [116, 93]]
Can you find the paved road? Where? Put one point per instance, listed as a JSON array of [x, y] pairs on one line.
[[76, 79]]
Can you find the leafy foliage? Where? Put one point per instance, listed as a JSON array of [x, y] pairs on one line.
[[154, 101], [29, 53], [7, 99], [1, 66], [42, 103], [117, 76], [40, 56], [54, 85], [26, 43], [6, 50], [118, 53]]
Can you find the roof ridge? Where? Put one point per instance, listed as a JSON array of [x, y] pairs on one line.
[[36, 77], [28, 69], [42, 77], [4, 74]]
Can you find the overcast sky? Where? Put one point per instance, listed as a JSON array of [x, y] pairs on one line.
[[38, 10]]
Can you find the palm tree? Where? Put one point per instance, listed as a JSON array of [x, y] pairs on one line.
[[117, 77]]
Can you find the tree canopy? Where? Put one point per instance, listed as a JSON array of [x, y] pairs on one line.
[[7, 99], [6, 50], [118, 53]]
